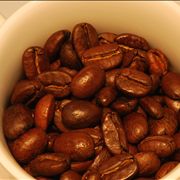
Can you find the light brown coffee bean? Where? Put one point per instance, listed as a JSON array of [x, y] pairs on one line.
[[172, 104], [106, 38]]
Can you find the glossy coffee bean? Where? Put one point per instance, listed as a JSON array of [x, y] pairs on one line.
[[106, 38], [141, 111], [155, 78], [78, 145], [49, 164], [54, 66], [54, 43], [135, 126], [50, 140], [165, 168], [106, 56], [91, 175], [171, 85], [121, 166], [80, 114], [81, 167], [152, 107], [70, 175], [87, 82], [148, 163], [44, 111], [163, 146], [133, 41], [113, 132], [34, 62], [29, 145], [133, 83], [71, 72], [16, 121], [26, 91], [106, 96], [172, 104], [158, 63], [84, 36]]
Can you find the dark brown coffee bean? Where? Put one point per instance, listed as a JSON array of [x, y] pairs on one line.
[[88, 81], [171, 85], [176, 156], [155, 78], [114, 135], [80, 114], [165, 168], [29, 145], [167, 125], [81, 167], [43, 178], [17, 120], [158, 63], [159, 99], [26, 91], [133, 83], [124, 105], [110, 77], [68, 56], [106, 38], [84, 36], [144, 178], [106, 96], [91, 175], [106, 56], [172, 104], [133, 41], [55, 42], [50, 164], [34, 62], [54, 66], [163, 146], [78, 145], [148, 163], [132, 149], [71, 72], [44, 111], [70, 175], [152, 107], [121, 166], [50, 140], [135, 126], [56, 83], [177, 140]]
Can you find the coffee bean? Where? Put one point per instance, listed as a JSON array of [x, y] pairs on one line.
[[78, 145], [106, 38], [163, 146], [55, 65], [155, 78], [70, 175], [87, 82], [50, 140], [133, 83], [81, 167], [177, 140], [172, 104], [71, 72], [106, 56], [132, 149], [91, 175]]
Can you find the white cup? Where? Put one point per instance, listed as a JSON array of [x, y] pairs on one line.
[[158, 22]]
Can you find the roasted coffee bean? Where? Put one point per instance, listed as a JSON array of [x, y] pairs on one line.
[[167, 125], [155, 78], [81, 167], [17, 120], [172, 104], [70, 175], [132, 149], [133, 83], [141, 111], [106, 56], [91, 175], [121, 166], [106, 38], [152, 107], [159, 99], [56, 83], [71, 72], [114, 135], [55, 42], [135, 126], [124, 105], [106, 96], [43, 178], [165, 168], [87, 82], [34, 62], [158, 63], [50, 140], [177, 140], [50, 164], [163, 146], [80, 114], [29, 145], [176, 156], [110, 77], [26, 91], [44, 111], [78, 145], [148, 163], [171, 85], [84, 36], [68, 56], [144, 178], [133, 41], [54, 66]]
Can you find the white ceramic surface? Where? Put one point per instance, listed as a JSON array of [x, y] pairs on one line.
[[158, 22]]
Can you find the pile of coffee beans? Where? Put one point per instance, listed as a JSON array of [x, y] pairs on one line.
[[95, 106]]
